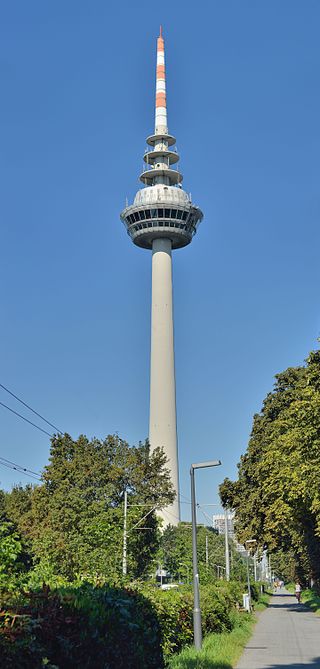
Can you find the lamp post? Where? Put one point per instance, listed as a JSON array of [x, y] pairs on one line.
[[249, 541], [255, 567], [226, 537], [197, 631], [124, 546]]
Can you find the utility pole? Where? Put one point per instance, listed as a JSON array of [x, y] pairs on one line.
[[255, 566], [226, 536], [270, 572], [124, 550], [207, 552], [248, 582]]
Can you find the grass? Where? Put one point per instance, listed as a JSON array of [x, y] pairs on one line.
[[310, 598], [263, 602], [220, 651]]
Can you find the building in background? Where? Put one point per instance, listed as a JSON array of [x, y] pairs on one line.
[[219, 523], [161, 219]]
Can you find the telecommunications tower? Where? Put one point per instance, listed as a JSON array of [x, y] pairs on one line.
[[162, 218]]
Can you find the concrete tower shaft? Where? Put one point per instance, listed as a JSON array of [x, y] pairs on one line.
[[161, 218], [163, 420]]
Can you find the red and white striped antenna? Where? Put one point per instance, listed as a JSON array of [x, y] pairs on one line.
[[161, 123]]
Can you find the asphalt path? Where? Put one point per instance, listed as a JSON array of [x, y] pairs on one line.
[[287, 634]]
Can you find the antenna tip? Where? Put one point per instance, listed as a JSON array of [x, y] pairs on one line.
[[160, 31]]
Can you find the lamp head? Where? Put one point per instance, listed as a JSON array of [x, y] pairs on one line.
[[203, 465]]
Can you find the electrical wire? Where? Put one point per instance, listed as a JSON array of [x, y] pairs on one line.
[[205, 515], [21, 470], [143, 518], [26, 419], [30, 408], [171, 514], [187, 499], [20, 466]]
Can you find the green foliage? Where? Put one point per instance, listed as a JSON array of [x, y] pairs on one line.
[[219, 651], [310, 597], [174, 612], [12, 564], [283, 565], [276, 497], [98, 627], [176, 554], [91, 628], [73, 522]]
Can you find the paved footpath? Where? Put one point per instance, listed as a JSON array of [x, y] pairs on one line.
[[287, 634]]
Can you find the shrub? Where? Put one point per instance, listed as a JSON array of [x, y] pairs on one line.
[[108, 627], [87, 627], [174, 611]]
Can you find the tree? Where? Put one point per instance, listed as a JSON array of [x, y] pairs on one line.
[[176, 553], [10, 553], [74, 520], [277, 495], [15, 560]]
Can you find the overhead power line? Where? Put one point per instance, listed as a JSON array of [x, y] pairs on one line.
[[19, 468], [26, 419], [30, 408], [187, 499]]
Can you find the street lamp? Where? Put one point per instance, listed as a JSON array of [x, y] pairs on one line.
[[197, 631], [226, 538], [249, 541]]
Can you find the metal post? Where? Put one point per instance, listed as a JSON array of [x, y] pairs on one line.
[[207, 553], [255, 567], [124, 550], [270, 572], [248, 581], [227, 546], [197, 631]]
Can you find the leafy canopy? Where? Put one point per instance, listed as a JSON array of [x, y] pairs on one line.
[[277, 495], [74, 520]]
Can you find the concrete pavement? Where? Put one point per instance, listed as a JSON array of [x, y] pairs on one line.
[[287, 634]]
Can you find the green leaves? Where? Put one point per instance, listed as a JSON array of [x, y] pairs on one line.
[[276, 496], [73, 522], [10, 553], [175, 553]]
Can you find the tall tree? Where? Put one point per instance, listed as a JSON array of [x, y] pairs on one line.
[[277, 495], [75, 518], [176, 553]]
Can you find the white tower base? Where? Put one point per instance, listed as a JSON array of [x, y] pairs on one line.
[[163, 422]]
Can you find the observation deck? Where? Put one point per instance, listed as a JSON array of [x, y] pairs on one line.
[[161, 210], [144, 225]]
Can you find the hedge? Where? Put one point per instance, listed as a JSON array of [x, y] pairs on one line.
[[107, 627]]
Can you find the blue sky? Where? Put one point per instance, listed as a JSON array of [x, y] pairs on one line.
[[77, 103]]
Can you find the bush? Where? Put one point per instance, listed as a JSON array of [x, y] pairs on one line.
[[108, 627], [255, 591], [87, 627], [174, 611]]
